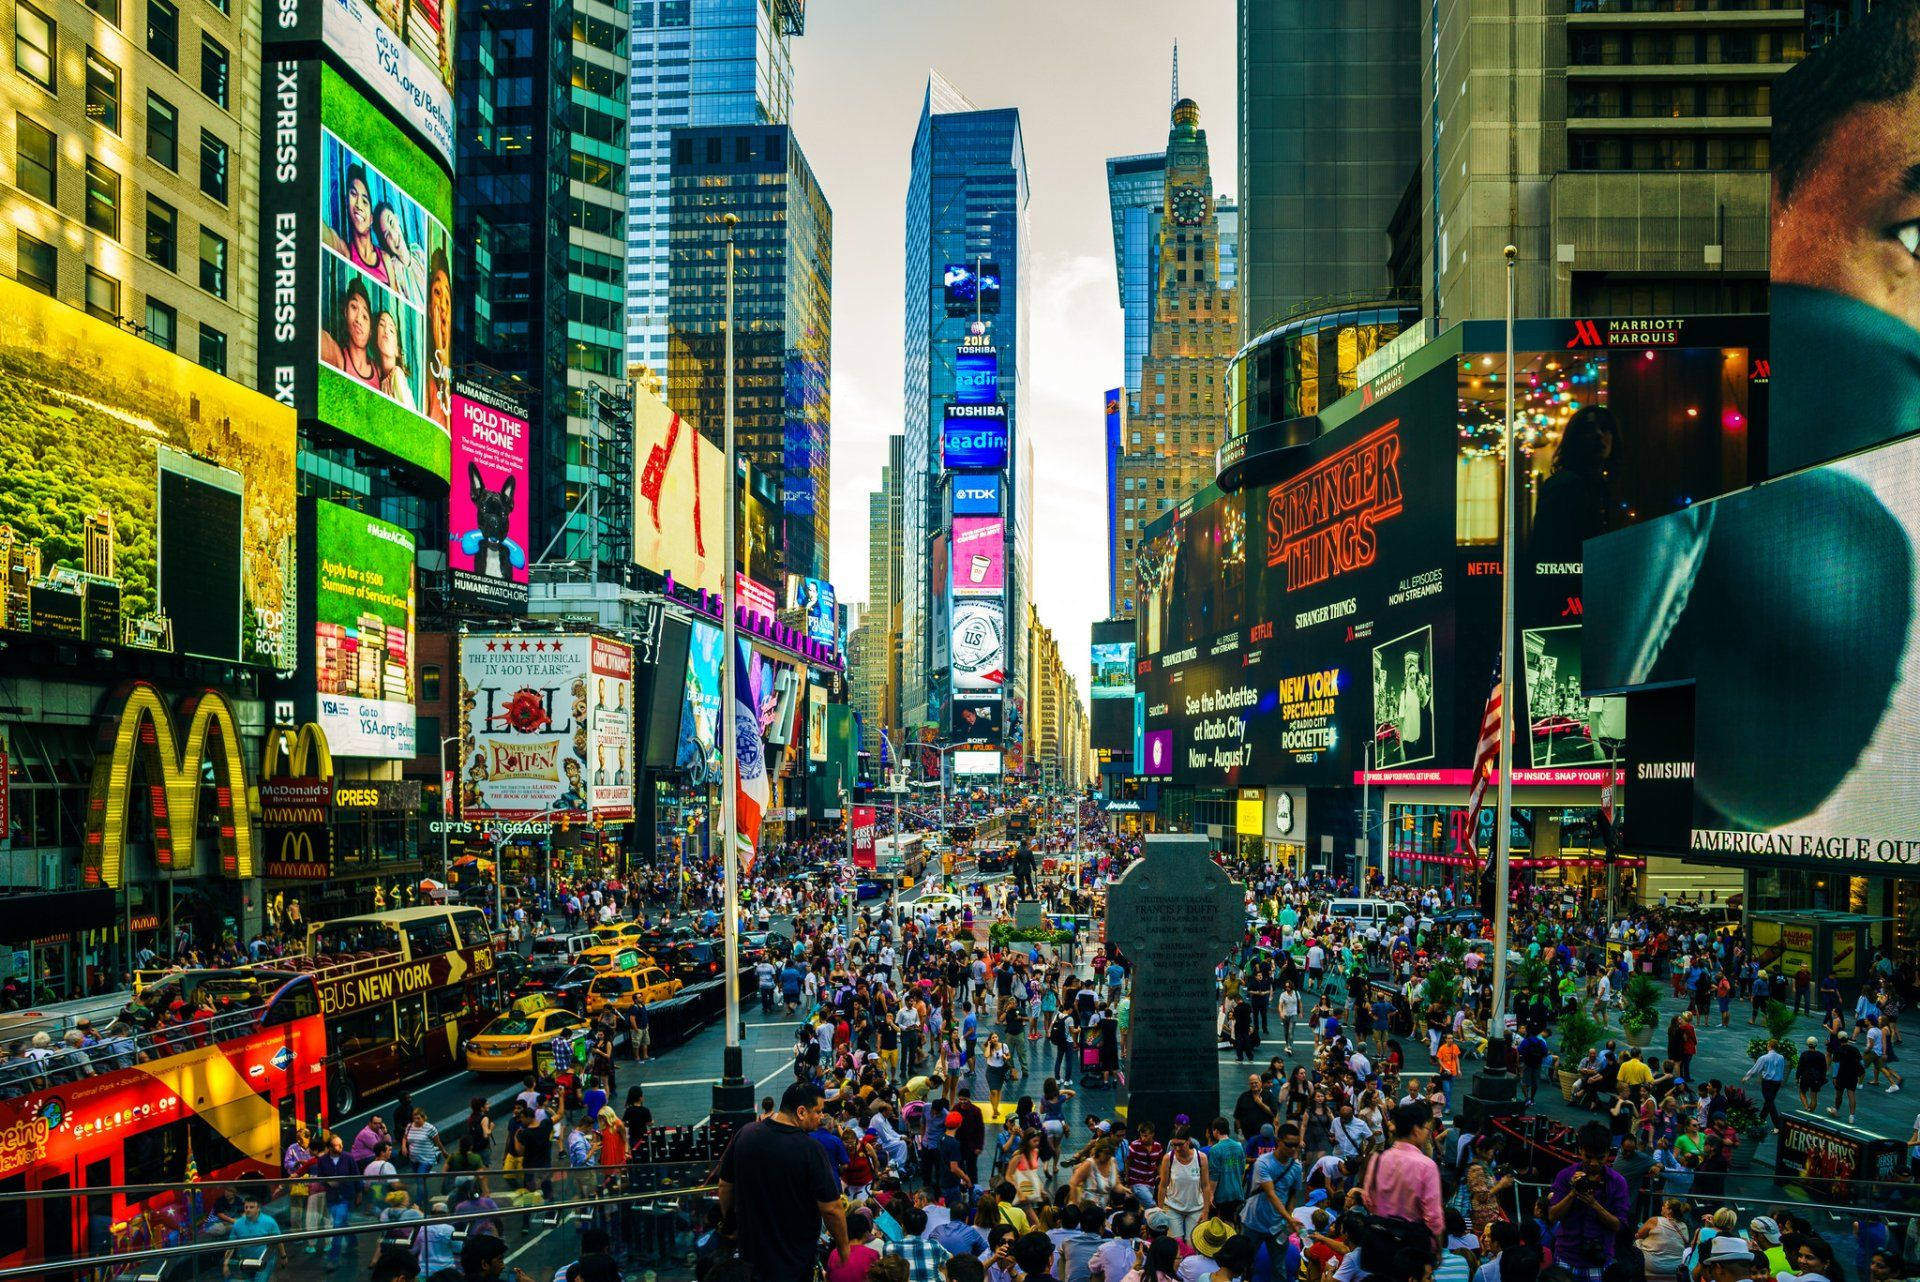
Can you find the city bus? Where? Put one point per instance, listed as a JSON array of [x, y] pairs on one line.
[[401, 990], [207, 1101]]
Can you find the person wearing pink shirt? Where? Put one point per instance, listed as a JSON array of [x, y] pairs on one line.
[[1404, 1182]]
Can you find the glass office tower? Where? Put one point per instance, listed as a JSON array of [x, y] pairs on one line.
[[783, 305], [1133, 196], [695, 63], [966, 204]]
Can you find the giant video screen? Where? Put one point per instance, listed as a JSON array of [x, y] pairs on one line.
[[1293, 632], [1793, 608], [357, 307], [363, 632], [402, 51], [99, 426]]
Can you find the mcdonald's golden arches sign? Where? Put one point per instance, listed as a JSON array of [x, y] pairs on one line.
[[143, 731]]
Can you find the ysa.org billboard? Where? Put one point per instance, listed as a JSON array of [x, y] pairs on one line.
[[545, 726], [363, 632], [401, 49], [487, 517], [356, 327]]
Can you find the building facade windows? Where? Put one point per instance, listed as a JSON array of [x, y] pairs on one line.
[[103, 92], [163, 32], [162, 324], [163, 233], [34, 161], [103, 296], [36, 43], [36, 263], [103, 199], [163, 132]]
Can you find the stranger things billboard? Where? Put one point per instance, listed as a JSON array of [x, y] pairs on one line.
[[1339, 618]]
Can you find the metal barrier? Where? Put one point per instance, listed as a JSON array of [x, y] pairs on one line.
[[169, 1224]]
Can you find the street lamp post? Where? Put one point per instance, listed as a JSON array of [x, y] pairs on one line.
[[732, 1094]]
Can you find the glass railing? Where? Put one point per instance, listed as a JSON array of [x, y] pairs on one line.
[[317, 1228]]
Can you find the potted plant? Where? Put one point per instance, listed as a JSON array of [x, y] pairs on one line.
[[1640, 1010], [1778, 1017], [1578, 1034]]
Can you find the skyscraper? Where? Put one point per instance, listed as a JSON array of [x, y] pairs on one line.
[[966, 210], [1329, 108], [510, 222], [1168, 450], [695, 62], [783, 314], [1134, 189], [1632, 176], [873, 666]]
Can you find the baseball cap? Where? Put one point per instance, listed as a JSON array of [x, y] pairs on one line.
[[954, 1119], [1158, 1221], [1813, 1041], [1729, 1248], [1765, 1226]]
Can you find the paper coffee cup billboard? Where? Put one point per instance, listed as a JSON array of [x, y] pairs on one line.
[[981, 564]]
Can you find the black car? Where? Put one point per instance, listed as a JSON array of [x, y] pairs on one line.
[[695, 961], [563, 983], [995, 859]]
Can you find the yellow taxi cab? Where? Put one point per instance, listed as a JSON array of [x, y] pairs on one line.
[[622, 988], [510, 1043], [612, 957], [620, 933]]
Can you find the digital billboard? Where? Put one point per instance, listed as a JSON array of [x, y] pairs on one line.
[[976, 376], [1113, 670], [940, 597], [1792, 607], [1284, 627], [163, 485], [973, 438], [488, 502], [363, 610], [545, 726], [1112, 682], [698, 752], [976, 718], [357, 311], [979, 644], [979, 556], [402, 50], [972, 287], [976, 496], [814, 599], [971, 762], [680, 501], [199, 520]]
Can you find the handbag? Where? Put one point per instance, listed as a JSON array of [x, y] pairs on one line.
[[1384, 1237]]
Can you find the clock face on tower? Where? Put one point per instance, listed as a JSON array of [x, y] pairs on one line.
[[1189, 205]]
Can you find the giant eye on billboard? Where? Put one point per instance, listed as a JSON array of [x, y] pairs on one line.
[[979, 556], [976, 376], [357, 323], [971, 284], [487, 517], [363, 632], [155, 498], [401, 50], [973, 438]]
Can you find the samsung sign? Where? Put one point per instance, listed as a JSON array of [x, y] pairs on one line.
[[974, 438], [976, 496]]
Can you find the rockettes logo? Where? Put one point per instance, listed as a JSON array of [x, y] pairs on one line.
[[1322, 523]]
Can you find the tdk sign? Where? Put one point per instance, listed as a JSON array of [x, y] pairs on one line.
[[976, 496], [974, 438]]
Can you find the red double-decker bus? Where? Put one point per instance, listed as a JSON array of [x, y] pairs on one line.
[[207, 1094]]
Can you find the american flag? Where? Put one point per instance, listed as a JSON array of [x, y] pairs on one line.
[[1486, 756]]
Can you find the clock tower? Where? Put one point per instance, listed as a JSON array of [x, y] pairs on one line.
[[1167, 450]]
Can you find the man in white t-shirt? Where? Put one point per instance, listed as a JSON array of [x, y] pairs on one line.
[[1359, 1065]]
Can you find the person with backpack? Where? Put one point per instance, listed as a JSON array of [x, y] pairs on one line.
[[1534, 1055], [1273, 1186]]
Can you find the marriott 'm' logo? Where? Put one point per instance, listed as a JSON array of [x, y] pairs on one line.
[[1322, 522]]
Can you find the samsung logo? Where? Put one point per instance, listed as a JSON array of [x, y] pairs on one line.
[[1663, 770]]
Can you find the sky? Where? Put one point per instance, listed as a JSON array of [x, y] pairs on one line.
[[1092, 80]]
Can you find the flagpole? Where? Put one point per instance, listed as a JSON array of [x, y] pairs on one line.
[[732, 1095], [1503, 810]]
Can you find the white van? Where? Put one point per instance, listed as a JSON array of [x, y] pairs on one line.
[[1366, 911]]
